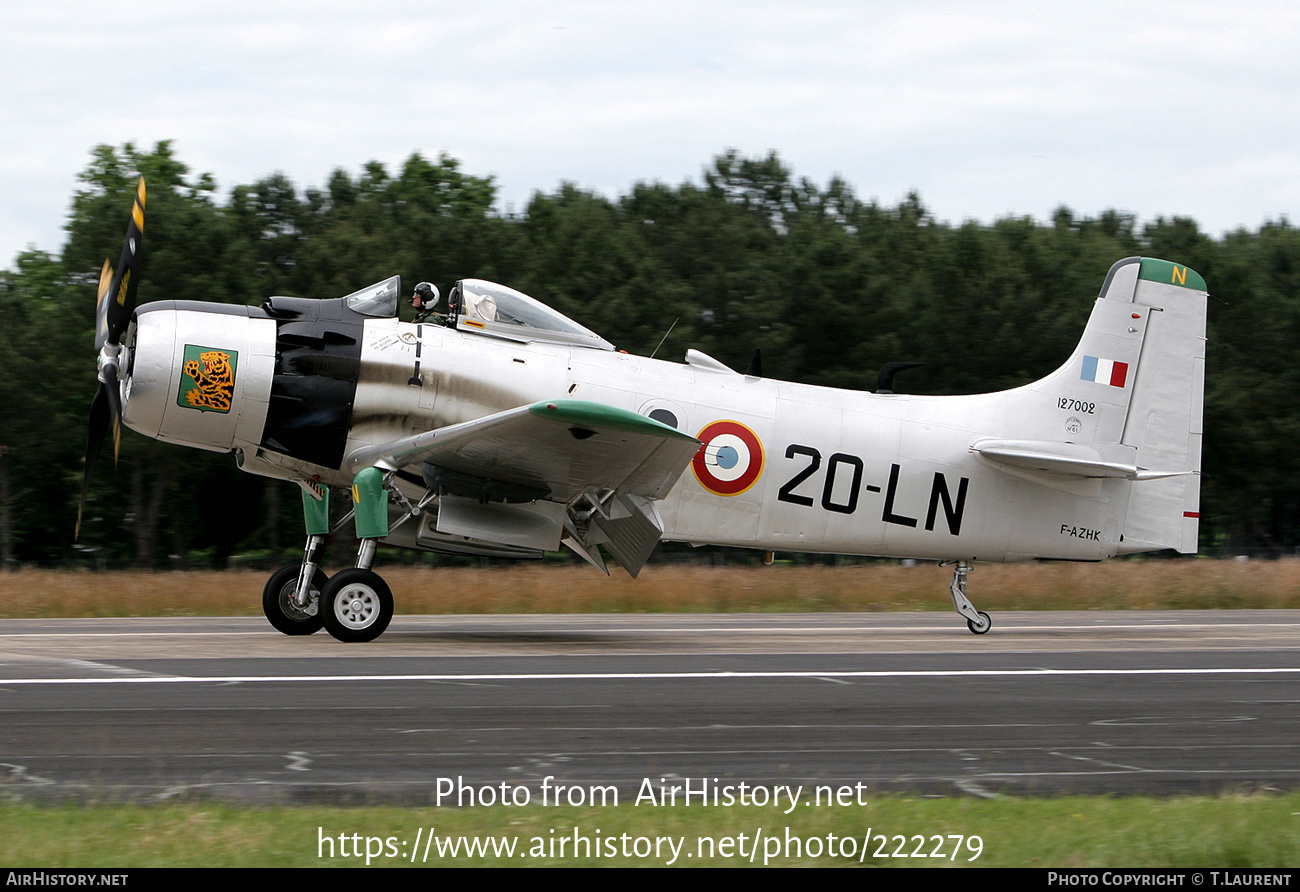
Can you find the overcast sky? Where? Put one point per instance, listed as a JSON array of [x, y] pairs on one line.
[[986, 108]]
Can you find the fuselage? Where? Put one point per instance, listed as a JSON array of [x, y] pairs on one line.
[[785, 466]]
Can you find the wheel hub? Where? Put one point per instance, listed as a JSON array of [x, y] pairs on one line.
[[289, 602], [357, 609]]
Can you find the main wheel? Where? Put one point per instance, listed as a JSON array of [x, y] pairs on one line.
[[286, 616], [979, 628], [357, 605]]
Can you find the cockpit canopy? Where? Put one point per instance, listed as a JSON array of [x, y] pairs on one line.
[[488, 308], [478, 306]]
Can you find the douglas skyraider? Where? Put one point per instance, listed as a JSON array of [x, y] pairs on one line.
[[504, 428]]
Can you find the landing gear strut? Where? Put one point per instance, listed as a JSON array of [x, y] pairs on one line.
[[977, 621], [291, 598], [357, 603]]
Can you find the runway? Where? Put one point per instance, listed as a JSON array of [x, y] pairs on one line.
[[1046, 704]]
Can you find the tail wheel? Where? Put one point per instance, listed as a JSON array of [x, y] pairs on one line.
[[279, 606], [357, 605], [979, 628]]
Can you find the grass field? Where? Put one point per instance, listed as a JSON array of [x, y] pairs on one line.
[[542, 588], [1069, 832]]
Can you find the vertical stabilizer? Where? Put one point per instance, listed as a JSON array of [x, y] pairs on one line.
[[1133, 392]]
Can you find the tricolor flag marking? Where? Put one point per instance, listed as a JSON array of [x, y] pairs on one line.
[[1104, 371]]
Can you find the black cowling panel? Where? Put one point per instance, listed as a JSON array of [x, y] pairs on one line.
[[317, 362]]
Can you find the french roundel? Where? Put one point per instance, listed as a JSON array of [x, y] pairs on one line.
[[730, 459]]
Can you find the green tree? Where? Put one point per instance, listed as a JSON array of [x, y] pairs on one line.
[[45, 395]]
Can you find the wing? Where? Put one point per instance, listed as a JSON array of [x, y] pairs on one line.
[[566, 447], [592, 474]]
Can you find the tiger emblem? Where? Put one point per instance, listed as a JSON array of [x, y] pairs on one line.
[[208, 379]]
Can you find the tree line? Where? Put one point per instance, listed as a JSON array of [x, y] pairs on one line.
[[829, 286]]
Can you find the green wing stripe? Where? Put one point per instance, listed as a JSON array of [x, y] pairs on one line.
[[606, 417], [1167, 273]]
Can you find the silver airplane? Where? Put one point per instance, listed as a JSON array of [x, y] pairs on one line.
[[506, 429]]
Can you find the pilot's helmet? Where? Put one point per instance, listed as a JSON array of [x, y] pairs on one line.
[[427, 293]]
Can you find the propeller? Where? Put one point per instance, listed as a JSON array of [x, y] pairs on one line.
[[114, 304]]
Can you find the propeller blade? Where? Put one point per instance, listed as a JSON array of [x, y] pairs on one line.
[[117, 302], [100, 418], [101, 306], [108, 385], [114, 304]]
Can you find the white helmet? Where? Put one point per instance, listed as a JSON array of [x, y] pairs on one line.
[[427, 293]]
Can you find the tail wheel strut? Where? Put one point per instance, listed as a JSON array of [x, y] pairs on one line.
[[977, 621]]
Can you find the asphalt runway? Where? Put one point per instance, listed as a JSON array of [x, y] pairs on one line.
[[1045, 704]]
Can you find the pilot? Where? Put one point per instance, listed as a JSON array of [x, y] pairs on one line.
[[425, 299]]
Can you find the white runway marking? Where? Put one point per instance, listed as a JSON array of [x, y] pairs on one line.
[[18, 774], [820, 675]]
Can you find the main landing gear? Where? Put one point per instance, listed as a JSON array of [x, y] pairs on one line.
[[353, 605], [357, 604], [977, 621]]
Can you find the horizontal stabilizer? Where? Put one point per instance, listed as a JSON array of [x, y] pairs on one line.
[[1063, 459]]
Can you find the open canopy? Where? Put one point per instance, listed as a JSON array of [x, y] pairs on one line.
[[488, 308]]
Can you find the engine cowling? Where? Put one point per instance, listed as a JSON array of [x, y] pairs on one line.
[[199, 374]]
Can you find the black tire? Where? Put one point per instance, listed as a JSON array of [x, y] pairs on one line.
[[277, 602], [357, 605], [982, 627]]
